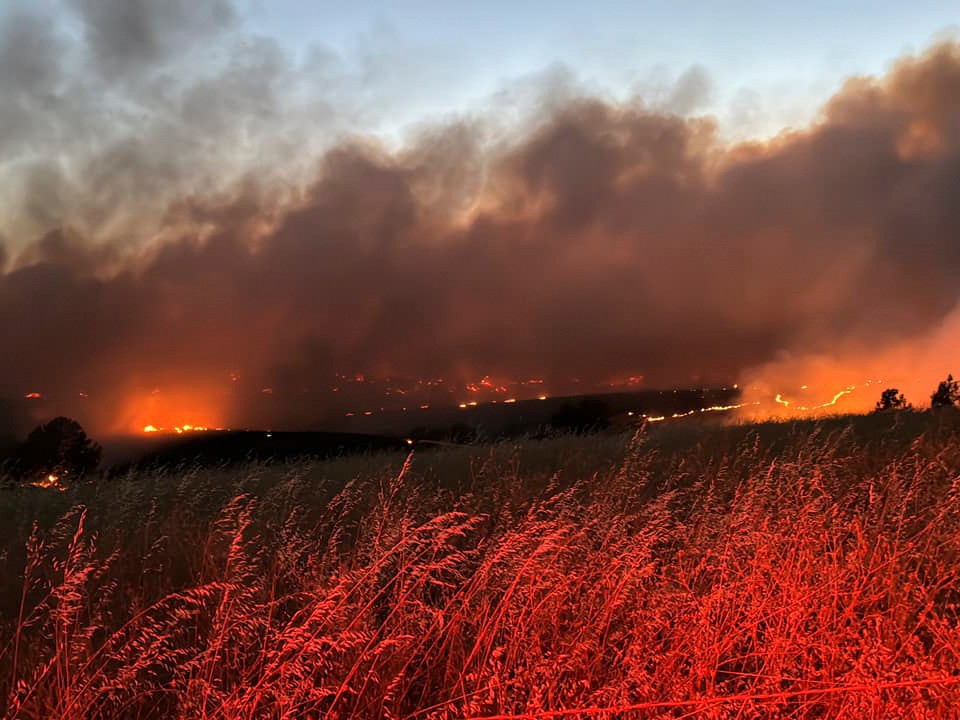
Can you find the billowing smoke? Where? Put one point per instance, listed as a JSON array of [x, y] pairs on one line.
[[168, 238]]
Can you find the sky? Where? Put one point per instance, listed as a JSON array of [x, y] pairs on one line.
[[770, 64], [214, 211]]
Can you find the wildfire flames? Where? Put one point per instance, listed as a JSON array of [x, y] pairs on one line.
[[787, 403], [178, 429], [569, 224], [158, 409], [50, 482]]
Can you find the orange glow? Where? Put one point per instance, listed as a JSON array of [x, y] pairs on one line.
[[176, 410], [178, 429], [808, 408], [33, 396], [51, 482], [625, 381], [486, 383], [164, 409], [721, 408], [689, 413]]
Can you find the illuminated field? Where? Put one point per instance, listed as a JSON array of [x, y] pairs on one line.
[[800, 570]]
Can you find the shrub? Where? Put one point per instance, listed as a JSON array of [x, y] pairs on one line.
[[892, 399]]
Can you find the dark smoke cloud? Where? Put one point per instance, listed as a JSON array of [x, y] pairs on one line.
[[596, 238], [114, 110]]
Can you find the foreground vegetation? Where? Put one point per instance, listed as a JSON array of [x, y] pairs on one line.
[[785, 570]]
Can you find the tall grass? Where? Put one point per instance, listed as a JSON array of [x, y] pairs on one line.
[[806, 571]]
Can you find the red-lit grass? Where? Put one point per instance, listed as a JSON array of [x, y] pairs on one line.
[[808, 572]]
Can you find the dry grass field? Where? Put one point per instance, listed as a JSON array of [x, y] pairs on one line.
[[794, 570]]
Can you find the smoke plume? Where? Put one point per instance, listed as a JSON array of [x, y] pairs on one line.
[[167, 237]]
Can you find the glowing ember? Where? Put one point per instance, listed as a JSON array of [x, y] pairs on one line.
[[178, 429], [721, 408], [486, 384], [50, 482], [807, 408], [33, 396]]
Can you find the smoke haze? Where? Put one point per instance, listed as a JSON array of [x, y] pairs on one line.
[[165, 235]]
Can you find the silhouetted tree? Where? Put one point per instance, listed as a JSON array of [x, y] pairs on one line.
[[947, 394], [60, 448], [892, 399]]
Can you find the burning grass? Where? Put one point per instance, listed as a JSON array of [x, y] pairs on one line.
[[797, 570]]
